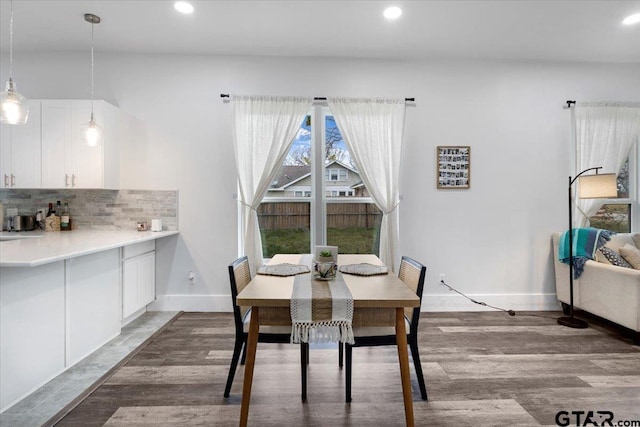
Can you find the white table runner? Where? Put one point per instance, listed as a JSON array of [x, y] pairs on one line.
[[321, 311]]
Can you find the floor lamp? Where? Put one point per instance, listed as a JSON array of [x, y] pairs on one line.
[[591, 187]]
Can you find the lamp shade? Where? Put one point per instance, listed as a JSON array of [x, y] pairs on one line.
[[599, 186]]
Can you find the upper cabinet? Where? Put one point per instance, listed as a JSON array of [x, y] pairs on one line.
[[67, 160], [20, 160]]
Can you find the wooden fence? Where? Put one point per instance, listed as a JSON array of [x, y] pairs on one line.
[[296, 215]]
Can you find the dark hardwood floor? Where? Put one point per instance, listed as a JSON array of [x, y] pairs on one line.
[[481, 369]]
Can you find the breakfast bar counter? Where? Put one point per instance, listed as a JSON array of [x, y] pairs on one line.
[[65, 294], [33, 248]]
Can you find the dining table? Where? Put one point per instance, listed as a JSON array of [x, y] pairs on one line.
[[378, 300]]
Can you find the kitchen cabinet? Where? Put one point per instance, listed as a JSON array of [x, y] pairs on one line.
[[61, 298], [54, 315], [138, 277], [67, 161], [20, 149]]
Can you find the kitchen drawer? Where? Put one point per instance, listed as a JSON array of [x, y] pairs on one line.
[[136, 249]]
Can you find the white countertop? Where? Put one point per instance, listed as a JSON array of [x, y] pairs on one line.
[[36, 248]]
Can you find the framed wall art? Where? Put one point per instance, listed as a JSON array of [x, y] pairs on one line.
[[454, 167]]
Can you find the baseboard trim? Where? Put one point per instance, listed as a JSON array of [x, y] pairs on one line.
[[516, 302], [430, 302]]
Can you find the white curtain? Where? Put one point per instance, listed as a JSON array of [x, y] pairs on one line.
[[605, 133], [372, 130], [264, 128]]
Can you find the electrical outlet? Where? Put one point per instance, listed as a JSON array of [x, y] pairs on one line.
[[441, 277], [192, 278]]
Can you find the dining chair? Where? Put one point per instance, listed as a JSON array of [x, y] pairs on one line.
[[412, 273], [239, 277]]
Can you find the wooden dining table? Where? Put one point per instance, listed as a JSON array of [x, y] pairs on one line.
[[377, 301]]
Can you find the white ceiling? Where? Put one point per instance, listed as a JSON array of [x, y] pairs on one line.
[[507, 29]]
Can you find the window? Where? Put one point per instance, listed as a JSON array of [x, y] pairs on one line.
[[340, 193], [336, 175], [616, 214], [318, 202]]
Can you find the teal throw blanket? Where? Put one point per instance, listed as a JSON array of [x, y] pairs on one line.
[[586, 241]]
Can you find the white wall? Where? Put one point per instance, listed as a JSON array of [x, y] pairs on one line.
[[492, 241]]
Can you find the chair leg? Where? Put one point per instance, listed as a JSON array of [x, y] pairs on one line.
[[340, 353], [308, 358], [348, 350], [416, 364], [304, 355], [234, 364], [244, 355]]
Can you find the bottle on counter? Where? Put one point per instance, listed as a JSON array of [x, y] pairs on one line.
[[65, 218], [52, 221]]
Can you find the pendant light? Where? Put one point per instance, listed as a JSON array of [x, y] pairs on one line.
[[92, 131], [14, 109]]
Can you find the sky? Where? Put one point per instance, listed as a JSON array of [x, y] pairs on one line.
[[303, 138]]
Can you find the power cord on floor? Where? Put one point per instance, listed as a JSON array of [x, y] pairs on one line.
[[509, 312]]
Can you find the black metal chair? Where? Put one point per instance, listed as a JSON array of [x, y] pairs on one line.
[[239, 277], [412, 273]]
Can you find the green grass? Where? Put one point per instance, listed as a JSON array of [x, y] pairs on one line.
[[297, 241], [353, 240], [612, 217]]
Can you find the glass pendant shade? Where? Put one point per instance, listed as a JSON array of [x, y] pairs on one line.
[[14, 107], [92, 132]]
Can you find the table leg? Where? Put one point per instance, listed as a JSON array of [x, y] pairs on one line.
[[252, 343], [403, 357]]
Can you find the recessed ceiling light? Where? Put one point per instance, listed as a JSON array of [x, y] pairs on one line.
[[633, 19], [392, 12], [183, 7]]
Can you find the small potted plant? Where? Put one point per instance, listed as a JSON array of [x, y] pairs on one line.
[[324, 267], [325, 256]]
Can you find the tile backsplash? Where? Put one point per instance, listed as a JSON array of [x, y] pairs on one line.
[[99, 209]]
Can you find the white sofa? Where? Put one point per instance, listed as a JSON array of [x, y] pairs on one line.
[[605, 290]]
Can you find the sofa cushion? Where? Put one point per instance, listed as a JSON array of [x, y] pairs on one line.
[[617, 241], [631, 254], [636, 239], [614, 257]]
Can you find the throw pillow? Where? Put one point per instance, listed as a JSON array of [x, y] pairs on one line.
[[636, 239], [619, 240], [631, 254], [614, 257]]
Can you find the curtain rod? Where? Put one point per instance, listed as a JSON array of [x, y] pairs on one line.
[[569, 104], [322, 98]]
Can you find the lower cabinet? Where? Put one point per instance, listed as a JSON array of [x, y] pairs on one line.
[[54, 315], [138, 277]]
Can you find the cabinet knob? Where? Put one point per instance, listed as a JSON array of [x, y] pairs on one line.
[[6, 180], [66, 180], [13, 180], [73, 180]]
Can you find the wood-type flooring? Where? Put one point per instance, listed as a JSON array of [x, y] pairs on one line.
[[480, 368]]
